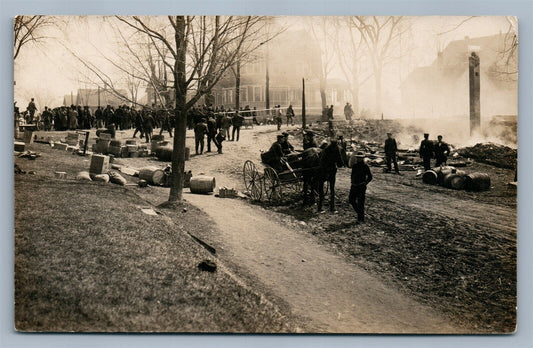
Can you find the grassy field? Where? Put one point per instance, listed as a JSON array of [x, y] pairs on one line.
[[88, 259]]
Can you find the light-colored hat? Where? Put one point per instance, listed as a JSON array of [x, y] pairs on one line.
[[360, 154]]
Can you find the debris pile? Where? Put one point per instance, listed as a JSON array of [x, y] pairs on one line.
[[494, 154]]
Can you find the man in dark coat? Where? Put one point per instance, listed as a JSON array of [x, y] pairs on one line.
[[309, 140], [31, 109], [211, 132], [286, 146], [200, 130], [330, 159], [274, 155], [166, 124], [148, 124], [360, 178], [138, 122], [99, 115], [442, 151], [390, 153], [426, 151], [237, 124], [290, 115]]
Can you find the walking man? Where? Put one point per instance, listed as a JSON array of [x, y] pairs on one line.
[[426, 151], [330, 159], [360, 178], [390, 153]]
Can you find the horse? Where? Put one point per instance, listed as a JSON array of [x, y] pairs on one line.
[[320, 166]]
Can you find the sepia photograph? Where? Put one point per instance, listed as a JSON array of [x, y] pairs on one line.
[[373, 189]]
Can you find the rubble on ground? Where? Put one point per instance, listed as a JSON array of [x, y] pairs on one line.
[[494, 154]]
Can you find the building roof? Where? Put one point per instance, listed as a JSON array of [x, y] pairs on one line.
[[90, 97]]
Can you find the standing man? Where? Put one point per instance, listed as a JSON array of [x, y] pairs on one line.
[[31, 109], [426, 151], [390, 153], [225, 124], [290, 115], [237, 124], [330, 120], [200, 130], [330, 159], [148, 124], [360, 178], [211, 132], [441, 151]]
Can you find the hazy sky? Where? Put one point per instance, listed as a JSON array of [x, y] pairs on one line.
[[48, 71]]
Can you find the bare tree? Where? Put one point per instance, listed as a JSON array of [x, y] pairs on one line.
[[349, 54], [29, 29], [379, 34], [321, 29], [194, 52]]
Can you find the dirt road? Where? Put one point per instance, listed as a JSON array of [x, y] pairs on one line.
[[317, 284]]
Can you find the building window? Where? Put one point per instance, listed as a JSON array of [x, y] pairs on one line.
[[243, 95], [257, 94]]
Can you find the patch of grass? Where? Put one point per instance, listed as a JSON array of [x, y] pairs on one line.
[[88, 259]]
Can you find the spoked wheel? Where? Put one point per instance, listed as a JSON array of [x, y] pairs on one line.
[[272, 185], [252, 180]]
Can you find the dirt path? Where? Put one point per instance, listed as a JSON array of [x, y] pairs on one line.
[[317, 284]]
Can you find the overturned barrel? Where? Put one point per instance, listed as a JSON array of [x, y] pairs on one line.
[[454, 181], [202, 184], [442, 172], [430, 177], [477, 182], [152, 175], [164, 153]]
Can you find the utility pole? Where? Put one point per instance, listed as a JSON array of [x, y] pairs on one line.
[[303, 103], [475, 108]]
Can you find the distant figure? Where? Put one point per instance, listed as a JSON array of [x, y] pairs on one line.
[[254, 116], [220, 137], [225, 124], [391, 148], [348, 112], [290, 115], [200, 130], [426, 151], [278, 116], [441, 151], [211, 132], [72, 118], [360, 178], [330, 120], [148, 124], [31, 109], [237, 124]]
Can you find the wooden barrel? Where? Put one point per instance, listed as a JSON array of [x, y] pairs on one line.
[[115, 150], [116, 143], [153, 175], [158, 138], [164, 153], [202, 184], [103, 145], [442, 172], [132, 148], [430, 177], [477, 182], [131, 142], [454, 181]]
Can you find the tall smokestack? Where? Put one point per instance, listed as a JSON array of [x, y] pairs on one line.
[[303, 103], [475, 112]]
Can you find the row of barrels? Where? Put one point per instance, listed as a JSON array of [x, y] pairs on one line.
[[450, 177]]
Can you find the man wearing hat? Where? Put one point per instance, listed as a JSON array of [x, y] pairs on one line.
[[390, 153], [274, 155], [200, 130], [442, 150], [426, 151], [309, 140], [330, 159], [360, 178], [286, 146]]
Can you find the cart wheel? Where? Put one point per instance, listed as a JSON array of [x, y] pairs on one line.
[[252, 180], [272, 185]]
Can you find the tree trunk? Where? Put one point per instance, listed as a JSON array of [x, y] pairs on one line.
[[180, 90], [237, 85], [379, 108]]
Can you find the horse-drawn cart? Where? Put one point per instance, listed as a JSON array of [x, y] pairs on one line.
[[271, 183]]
